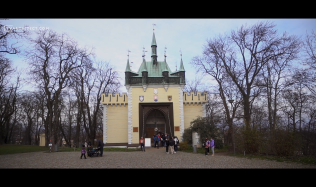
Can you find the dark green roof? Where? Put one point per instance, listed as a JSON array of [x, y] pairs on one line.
[[154, 70]]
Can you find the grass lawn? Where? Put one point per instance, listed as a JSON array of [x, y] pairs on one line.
[[11, 149]]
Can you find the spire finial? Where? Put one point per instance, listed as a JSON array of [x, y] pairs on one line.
[[128, 51], [154, 27], [180, 53], [165, 52]]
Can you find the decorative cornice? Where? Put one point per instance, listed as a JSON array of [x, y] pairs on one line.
[[144, 87], [166, 86]]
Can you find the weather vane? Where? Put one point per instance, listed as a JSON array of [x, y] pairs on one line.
[[180, 53], [144, 51], [128, 51], [154, 27]]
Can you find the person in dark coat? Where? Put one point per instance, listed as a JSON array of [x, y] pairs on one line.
[[163, 139], [167, 144], [171, 145], [100, 146]]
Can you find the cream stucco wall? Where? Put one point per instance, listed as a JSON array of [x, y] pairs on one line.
[[116, 124], [191, 112]]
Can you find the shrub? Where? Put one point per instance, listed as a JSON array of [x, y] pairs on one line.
[[184, 146]]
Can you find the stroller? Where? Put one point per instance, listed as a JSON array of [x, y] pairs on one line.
[[94, 152]]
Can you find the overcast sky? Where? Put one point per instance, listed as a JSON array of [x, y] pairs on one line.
[[112, 38]]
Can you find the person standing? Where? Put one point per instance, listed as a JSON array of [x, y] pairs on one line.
[[166, 137], [142, 144], [83, 152], [167, 144], [100, 146], [171, 145], [162, 140], [159, 140], [212, 144], [206, 146], [176, 143], [154, 139]]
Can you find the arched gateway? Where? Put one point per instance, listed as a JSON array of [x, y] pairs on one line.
[[155, 103]]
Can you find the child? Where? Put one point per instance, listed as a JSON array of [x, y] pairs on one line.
[[83, 152], [142, 144]]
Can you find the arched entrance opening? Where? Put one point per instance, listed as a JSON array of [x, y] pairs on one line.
[[155, 118]]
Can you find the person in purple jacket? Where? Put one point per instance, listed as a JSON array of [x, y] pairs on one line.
[[212, 146], [83, 152]]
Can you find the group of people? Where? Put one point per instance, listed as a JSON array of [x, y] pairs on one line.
[[100, 146], [163, 140], [209, 144]]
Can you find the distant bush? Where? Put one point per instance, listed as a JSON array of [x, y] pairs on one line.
[[184, 146]]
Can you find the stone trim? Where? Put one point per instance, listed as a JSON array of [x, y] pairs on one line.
[[130, 128], [181, 112], [105, 123]]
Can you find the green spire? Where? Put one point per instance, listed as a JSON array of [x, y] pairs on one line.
[[154, 40], [144, 66], [127, 66], [181, 66]]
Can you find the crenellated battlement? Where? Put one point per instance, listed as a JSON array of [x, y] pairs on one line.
[[122, 99], [114, 98], [192, 97]]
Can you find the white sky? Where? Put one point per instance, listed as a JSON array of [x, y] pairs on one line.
[[111, 38]]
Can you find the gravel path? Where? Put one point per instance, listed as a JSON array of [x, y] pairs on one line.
[[152, 158]]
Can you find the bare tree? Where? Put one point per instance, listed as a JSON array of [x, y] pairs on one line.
[[245, 52], [274, 75], [52, 59], [6, 34], [193, 85], [310, 60], [8, 90], [88, 87]]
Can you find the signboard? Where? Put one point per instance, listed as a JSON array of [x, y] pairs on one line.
[[147, 142]]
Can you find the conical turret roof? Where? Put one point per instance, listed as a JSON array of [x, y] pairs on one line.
[[153, 42], [127, 66]]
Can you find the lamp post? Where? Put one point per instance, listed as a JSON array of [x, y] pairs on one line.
[[231, 103]]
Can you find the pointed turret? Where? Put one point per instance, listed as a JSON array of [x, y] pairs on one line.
[[154, 50], [153, 42], [144, 65], [182, 72], [144, 73], [127, 69], [181, 66]]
